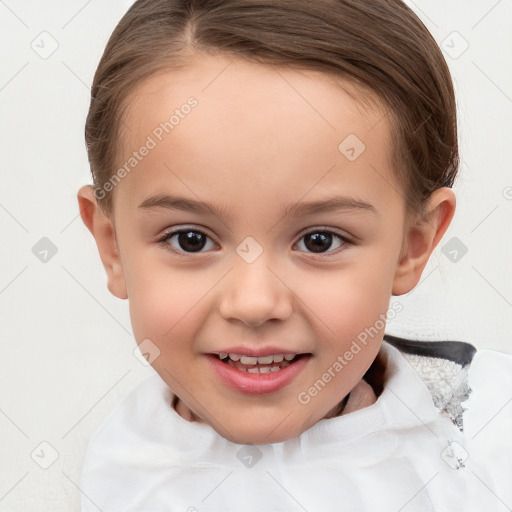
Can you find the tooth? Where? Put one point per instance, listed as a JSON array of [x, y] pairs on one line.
[[223, 355], [265, 359], [278, 358], [248, 360], [275, 369], [289, 357], [253, 370], [235, 357], [265, 369]]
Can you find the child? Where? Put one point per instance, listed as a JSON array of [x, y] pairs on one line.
[[266, 176]]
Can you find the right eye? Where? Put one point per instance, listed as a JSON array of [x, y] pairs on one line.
[[186, 241]]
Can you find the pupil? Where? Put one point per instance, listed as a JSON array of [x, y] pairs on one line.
[[191, 241], [318, 242]]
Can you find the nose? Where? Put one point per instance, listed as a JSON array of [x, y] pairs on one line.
[[254, 294]]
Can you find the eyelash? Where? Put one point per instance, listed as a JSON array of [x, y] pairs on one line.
[[164, 241]]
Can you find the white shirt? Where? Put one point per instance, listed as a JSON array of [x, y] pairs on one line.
[[397, 455]]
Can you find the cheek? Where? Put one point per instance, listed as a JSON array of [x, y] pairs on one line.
[[348, 301], [168, 305], [169, 313]]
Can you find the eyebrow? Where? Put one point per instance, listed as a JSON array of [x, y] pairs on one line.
[[328, 205], [169, 202], [301, 209]]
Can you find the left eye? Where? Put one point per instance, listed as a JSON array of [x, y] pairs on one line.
[[188, 240], [320, 241]]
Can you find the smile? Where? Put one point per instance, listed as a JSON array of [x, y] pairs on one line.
[[263, 364], [257, 375]]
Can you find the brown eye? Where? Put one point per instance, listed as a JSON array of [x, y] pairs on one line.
[[187, 241], [318, 242], [191, 241], [321, 242]]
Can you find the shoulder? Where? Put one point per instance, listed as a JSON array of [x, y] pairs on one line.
[[490, 403], [119, 451], [492, 360], [454, 371], [474, 389], [134, 425], [488, 421], [149, 398], [443, 367]]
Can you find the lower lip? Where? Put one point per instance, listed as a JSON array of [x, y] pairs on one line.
[[257, 383]]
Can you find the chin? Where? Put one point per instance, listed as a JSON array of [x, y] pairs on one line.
[[252, 436], [253, 432]]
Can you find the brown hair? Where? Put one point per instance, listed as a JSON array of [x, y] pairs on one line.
[[379, 45]]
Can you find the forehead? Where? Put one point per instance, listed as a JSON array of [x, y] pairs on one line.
[[280, 131], [245, 89]]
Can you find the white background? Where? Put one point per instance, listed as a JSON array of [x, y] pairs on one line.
[[66, 343]]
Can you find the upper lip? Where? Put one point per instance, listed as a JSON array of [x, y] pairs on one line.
[[258, 351]]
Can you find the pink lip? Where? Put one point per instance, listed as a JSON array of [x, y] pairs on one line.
[[257, 383]]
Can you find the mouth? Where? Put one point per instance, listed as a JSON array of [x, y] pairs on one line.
[[263, 364], [258, 374]]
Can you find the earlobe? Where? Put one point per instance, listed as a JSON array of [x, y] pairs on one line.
[[102, 229], [422, 238]]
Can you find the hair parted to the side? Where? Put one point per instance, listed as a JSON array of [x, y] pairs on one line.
[[378, 45]]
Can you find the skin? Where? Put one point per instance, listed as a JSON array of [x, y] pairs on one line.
[[260, 139]]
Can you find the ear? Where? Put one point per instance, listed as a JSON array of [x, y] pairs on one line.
[[103, 231], [421, 239]]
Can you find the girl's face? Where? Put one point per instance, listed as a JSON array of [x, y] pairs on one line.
[[263, 219]]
